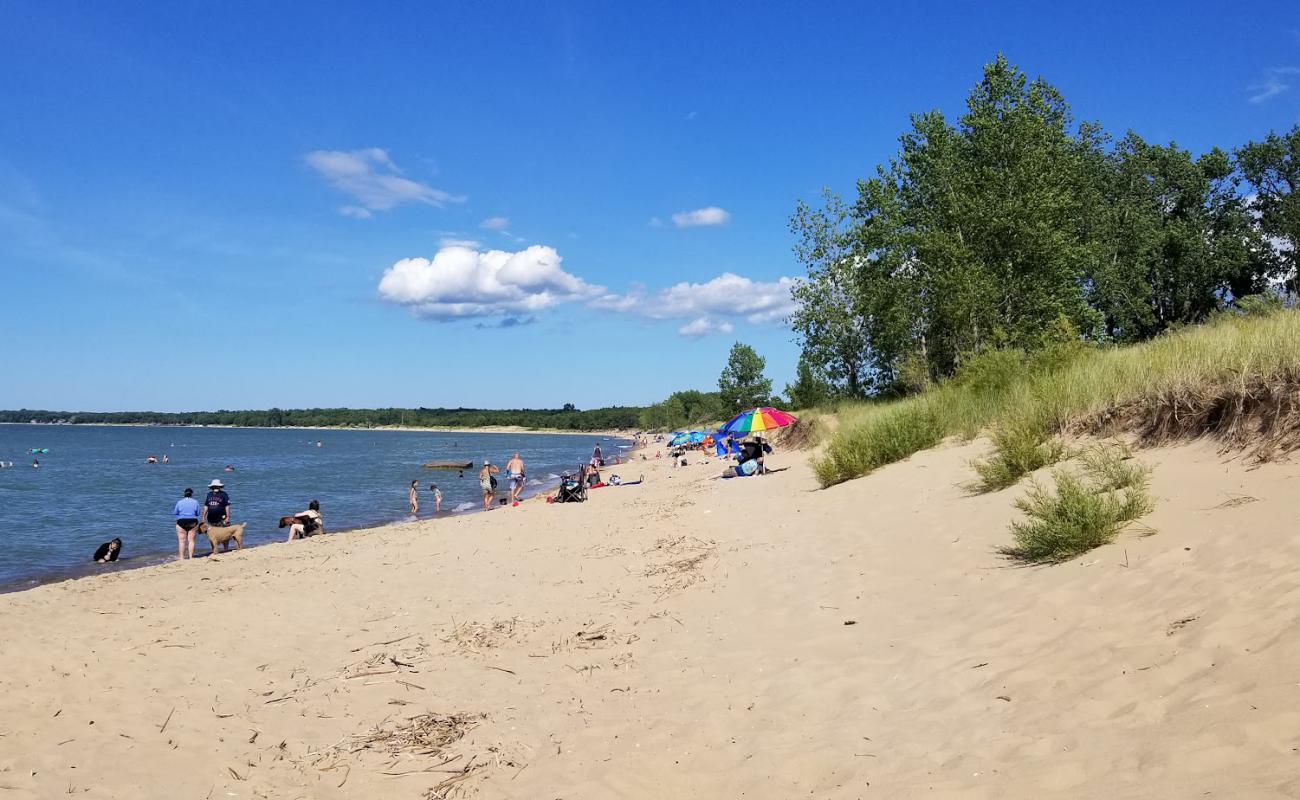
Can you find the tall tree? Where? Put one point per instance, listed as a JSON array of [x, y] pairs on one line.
[[1272, 168], [742, 384], [810, 387]]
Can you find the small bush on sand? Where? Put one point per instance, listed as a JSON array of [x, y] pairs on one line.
[[1088, 509], [1020, 447]]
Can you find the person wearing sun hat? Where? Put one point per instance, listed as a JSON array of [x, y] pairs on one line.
[[487, 483], [217, 504]]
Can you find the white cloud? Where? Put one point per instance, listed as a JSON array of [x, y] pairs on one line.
[[448, 241], [711, 215], [708, 305], [495, 224], [703, 326], [462, 283], [371, 178], [1276, 81]]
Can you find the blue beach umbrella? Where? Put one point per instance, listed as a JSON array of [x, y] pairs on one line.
[[690, 437]]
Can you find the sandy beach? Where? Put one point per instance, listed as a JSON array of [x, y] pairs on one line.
[[687, 638]]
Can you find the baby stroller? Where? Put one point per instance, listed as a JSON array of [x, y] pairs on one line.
[[573, 488]]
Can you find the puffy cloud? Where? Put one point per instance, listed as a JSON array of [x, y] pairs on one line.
[[495, 224], [708, 305], [703, 326], [701, 217], [451, 241], [462, 282], [373, 181], [1276, 81]]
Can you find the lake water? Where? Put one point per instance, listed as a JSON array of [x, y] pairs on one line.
[[95, 484]]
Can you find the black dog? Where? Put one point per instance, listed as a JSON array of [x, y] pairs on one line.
[[108, 551]]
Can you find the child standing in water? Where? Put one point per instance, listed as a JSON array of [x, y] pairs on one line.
[[414, 496], [437, 497]]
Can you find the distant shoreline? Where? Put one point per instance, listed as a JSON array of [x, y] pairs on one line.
[[606, 433]]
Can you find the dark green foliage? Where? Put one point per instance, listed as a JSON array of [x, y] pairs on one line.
[[1009, 225], [810, 388], [1272, 168], [615, 418], [685, 409], [742, 384]]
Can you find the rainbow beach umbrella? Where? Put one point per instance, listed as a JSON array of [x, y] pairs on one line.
[[758, 420]]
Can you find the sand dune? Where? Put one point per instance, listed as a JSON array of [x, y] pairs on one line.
[[687, 638]]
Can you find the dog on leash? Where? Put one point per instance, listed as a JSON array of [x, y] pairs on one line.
[[223, 534]]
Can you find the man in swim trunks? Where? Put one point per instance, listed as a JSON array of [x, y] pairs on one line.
[[485, 483], [187, 513], [515, 472]]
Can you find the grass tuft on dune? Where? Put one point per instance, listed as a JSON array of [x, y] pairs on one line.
[[1236, 378]]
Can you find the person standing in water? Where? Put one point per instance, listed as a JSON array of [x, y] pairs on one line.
[[437, 498], [487, 483], [515, 472], [187, 512], [413, 497], [218, 504], [597, 458]]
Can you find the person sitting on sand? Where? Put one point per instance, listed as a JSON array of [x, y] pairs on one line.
[[309, 522], [437, 498], [515, 472], [487, 483], [413, 497], [187, 511]]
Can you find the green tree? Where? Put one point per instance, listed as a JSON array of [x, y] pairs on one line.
[[810, 388], [1272, 168], [742, 384]]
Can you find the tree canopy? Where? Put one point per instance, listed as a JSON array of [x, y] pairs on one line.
[[1012, 226], [742, 384]]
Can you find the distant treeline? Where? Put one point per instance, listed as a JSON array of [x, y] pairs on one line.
[[567, 418]]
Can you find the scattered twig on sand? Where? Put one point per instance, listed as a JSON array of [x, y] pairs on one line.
[[977, 666], [501, 669], [380, 644], [376, 672], [397, 663], [1179, 624], [235, 775], [163, 727], [1234, 501], [409, 685]]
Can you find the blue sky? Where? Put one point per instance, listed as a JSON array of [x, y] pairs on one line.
[[242, 205]]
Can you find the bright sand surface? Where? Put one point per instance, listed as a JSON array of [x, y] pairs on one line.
[[689, 638]]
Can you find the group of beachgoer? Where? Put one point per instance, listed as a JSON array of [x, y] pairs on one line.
[[193, 518]]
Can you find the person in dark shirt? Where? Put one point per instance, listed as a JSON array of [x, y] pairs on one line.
[[108, 551], [217, 504]]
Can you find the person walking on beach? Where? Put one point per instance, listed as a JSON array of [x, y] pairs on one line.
[[487, 483], [515, 472], [597, 459], [187, 511], [413, 496], [437, 498], [217, 504]]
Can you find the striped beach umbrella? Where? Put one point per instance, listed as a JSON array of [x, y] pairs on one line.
[[758, 420]]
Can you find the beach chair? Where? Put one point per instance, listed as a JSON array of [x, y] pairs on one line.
[[573, 488]]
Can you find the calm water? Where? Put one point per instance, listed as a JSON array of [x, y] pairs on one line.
[[94, 483]]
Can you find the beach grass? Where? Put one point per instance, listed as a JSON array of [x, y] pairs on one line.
[[1091, 504], [1236, 378]]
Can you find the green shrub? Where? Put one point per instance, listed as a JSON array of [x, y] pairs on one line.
[[1088, 509], [1020, 447], [892, 434]]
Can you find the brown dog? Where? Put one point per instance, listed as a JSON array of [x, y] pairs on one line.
[[222, 534]]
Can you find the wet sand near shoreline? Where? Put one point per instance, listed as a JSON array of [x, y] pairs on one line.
[[688, 637]]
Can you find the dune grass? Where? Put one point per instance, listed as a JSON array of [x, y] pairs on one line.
[[1236, 378], [1089, 507]]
